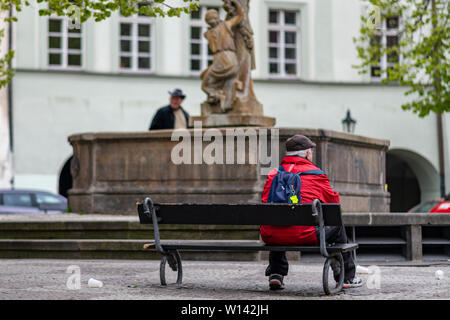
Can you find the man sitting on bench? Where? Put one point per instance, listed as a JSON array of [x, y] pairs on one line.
[[314, 185]]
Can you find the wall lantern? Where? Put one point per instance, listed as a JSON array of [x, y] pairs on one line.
[[348, 124]]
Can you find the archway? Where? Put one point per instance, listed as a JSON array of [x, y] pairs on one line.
[[65, 179], [402, 184], [411, 179]]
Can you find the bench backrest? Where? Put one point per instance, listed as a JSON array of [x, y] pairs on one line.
[[277, 214]]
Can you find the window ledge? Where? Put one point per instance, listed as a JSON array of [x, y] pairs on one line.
[[197, 78]]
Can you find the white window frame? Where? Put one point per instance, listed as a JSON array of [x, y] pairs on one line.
[[135, 20], [281, 27], [203, 57], [384, 32], [65, 51]]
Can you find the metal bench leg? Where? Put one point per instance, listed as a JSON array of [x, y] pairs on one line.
[[354, 241], [338, 259], [174, 260]]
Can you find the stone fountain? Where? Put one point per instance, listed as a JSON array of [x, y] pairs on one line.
[[230, 147]]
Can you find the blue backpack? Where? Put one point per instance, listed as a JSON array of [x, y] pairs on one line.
[[286, 186]]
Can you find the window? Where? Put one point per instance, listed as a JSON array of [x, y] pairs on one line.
[[17, 200], [283, 42], [200, 55], [65, 45], [386, 37], [47, 198], [136, 43]]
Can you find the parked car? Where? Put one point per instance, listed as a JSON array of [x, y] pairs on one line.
[[441, 205], [31, 201]]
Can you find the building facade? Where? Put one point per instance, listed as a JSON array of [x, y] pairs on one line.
[[114, 75], [5, 134]]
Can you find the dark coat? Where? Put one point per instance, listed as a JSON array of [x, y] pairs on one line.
[[164, 118]]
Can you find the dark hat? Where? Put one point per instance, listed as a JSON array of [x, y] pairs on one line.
[[177, 93], [299, 142]]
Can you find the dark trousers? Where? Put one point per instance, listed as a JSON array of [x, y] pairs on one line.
[[279, 264]]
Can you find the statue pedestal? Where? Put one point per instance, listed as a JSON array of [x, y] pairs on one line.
[[245, 112], [232, 120]]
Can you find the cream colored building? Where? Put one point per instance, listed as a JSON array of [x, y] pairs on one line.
[[114, 75]]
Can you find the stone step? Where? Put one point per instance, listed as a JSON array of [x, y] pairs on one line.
[[91, 236], [104, 249], [83, 236], [74, 226]]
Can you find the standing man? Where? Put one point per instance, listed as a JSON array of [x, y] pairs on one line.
[[313, 186], [172, 116]]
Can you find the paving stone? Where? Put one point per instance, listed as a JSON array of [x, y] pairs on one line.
[[136, 279]]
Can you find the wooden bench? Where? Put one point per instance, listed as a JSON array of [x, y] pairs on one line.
[[315, 214]]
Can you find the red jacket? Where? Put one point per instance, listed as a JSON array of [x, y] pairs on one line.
[[312, 187]]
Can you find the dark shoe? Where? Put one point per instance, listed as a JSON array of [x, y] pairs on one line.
[[354, 283], [276, 282]]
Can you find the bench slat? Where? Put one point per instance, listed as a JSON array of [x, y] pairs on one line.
[[280, 214], [245, 246]]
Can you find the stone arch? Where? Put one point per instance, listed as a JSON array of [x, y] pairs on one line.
[[415, 168], [65, 178]]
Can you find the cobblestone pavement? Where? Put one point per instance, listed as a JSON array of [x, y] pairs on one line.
[[137, 279]]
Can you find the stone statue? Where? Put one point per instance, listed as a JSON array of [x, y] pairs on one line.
[[231, 42], [227, 81], [220, 78], [244, 37]]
